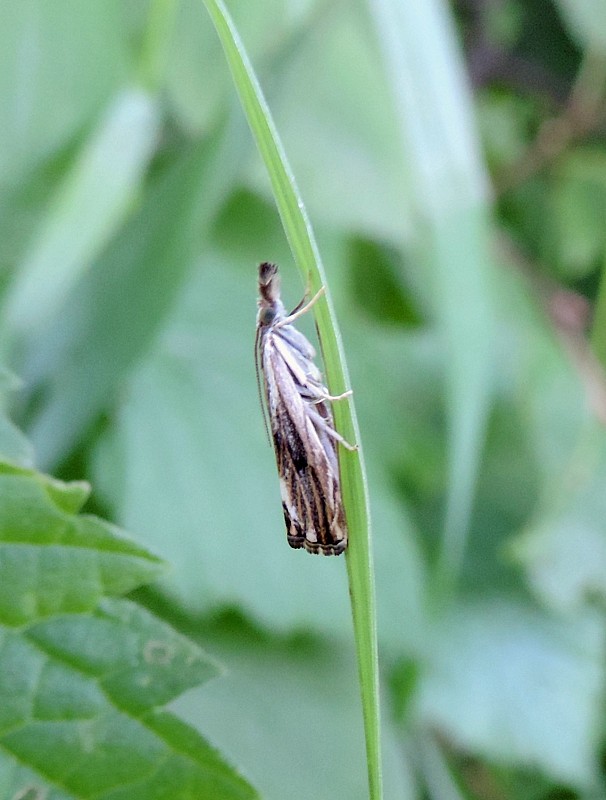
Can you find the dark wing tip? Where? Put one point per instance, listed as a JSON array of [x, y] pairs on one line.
[[317, 548]]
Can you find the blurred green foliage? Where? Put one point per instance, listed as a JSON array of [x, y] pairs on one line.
[[133, 212]]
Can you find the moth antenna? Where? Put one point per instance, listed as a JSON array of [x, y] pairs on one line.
[[264, 410]]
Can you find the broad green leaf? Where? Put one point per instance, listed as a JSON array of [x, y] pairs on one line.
[[552, 402], [336, 119], [53, 561], [295, 700], [518, 687], [197, 84], [85, 211], [439, 776], [15, 448], [381, 293], [83, 676], [564, 548], [447, 184], [117, 310], [79, 710], [70, 56]]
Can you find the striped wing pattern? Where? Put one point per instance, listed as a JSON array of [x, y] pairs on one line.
[[306, 458], [301, 423]]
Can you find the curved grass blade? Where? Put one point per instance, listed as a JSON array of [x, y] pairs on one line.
[[355, 498]]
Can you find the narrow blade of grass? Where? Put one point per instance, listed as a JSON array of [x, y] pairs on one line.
[[301, 239]]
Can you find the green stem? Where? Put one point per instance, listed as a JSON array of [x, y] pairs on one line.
[[355, 496]]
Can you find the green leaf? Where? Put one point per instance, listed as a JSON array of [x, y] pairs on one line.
[[440, 777], [157, 42], [78, 695], [54, 562], [83, 675], [198, 86], [117, 310], [85, 211], [295, 689], [518, 686], [329, 97], [40, 47], [562, 545], [15, 448], [564, 548], [381, 293], [448, 184]]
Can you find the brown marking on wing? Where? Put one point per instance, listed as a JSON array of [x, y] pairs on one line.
[[306, 463]]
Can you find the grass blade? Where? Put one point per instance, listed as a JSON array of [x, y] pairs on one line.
[[302, 242]]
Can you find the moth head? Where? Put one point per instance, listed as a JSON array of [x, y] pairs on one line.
[[269, 282]]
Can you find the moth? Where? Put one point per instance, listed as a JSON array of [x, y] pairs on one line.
[[300, 419]]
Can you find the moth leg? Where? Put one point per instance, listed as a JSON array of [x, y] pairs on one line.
[[316, 393], [305, 296], [332, 397], [321, 423], [299, 311]]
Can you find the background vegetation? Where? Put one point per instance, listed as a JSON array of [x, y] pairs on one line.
[[452, 159]]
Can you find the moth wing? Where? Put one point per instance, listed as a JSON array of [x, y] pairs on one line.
[[307, 463]]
